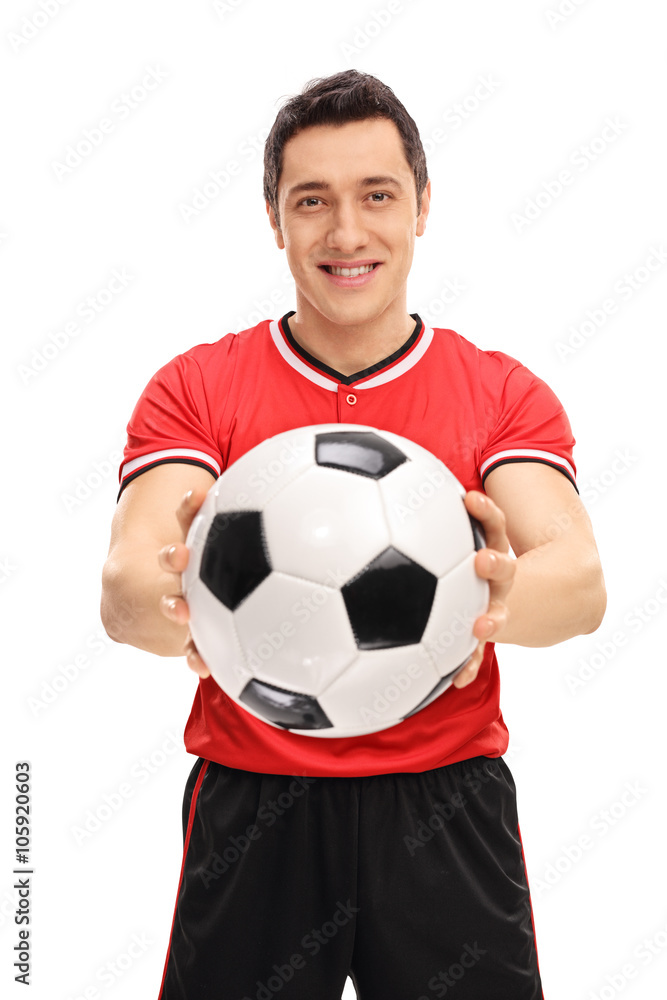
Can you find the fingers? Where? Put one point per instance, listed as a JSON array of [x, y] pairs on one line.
[[188, 507], [174, 558], [492, 621], [175, 608], [498, 568], [491, 517], [487, 625], [195, 661], [493, 563], [471, 669], [484, 629]]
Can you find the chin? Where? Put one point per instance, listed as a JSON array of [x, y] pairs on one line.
[[352, 313]]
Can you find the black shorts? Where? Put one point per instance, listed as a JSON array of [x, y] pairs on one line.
[[414, 885]]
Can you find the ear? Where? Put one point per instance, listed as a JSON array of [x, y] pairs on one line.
[[426, 204], [276, 228]]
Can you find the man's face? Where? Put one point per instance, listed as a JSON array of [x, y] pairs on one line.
[[347, 197]]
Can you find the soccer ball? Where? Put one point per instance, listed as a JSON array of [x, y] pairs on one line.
[[331, 580]]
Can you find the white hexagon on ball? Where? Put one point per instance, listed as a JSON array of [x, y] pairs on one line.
[[295, 633], [316, 531], [427, 518], [380, 689]]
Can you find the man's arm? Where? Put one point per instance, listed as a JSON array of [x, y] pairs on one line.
[[554, 589], [558, 589], [135, 584]]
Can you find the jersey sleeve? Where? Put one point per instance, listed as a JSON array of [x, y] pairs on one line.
[[529, 424], [171, 423]]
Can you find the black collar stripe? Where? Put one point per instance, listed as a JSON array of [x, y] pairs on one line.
[[349, 379]]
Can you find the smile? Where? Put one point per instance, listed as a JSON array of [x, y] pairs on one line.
[[349, 272]]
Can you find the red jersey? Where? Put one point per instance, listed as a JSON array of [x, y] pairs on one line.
[[471, 408]]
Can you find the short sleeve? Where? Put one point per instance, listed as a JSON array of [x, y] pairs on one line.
[[171, 423], [529, 423]]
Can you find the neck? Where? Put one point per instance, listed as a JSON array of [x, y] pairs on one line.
[[350, 348]]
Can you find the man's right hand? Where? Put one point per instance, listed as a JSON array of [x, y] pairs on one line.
[[173, 559]]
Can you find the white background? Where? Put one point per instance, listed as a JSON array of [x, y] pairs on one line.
[[219, 73]]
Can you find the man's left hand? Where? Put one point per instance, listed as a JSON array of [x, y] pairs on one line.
[[495, 565]]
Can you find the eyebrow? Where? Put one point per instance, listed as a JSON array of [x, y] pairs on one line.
[[383, 179]]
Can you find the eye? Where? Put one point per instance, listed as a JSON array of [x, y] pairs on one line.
[[306, 200], [379, 194]]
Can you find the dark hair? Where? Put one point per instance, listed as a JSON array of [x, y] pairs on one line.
[[334, 100]]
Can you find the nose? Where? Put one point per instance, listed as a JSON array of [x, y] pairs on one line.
[[348, 231]]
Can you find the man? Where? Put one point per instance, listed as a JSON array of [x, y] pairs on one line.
[[395, 857]]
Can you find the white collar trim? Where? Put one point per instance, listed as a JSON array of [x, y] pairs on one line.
[[326, 382]]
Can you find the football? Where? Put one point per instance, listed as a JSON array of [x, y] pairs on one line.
[[331, 580]]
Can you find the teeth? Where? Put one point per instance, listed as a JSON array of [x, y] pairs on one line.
[[350, 272]]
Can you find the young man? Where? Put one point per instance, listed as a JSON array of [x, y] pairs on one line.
[[395, 857]]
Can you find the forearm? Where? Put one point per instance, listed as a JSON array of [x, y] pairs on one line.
[[555, 596], [130, 607]]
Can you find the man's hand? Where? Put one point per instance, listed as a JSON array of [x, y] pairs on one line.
[[495, 565], [174, 559]]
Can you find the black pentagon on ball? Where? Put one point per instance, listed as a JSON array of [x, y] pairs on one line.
[[362, 452], [441, 686], [234, 559], [388, 603], [289, 709], [477, 533]]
